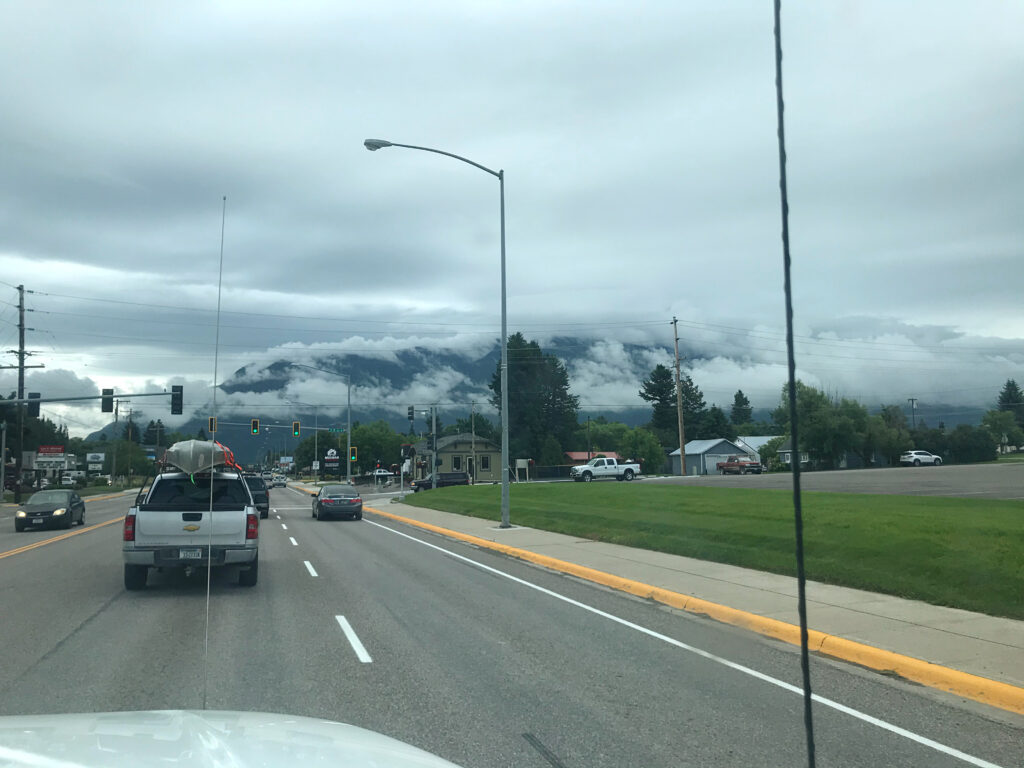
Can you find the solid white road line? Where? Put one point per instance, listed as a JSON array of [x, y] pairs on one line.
[[310, 568], [293, 541], [924, 740], [353, 640]]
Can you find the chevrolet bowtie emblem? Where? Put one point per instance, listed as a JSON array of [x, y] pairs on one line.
[[190, 528]]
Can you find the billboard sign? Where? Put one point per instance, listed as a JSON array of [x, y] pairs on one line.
[[286, 461], [95, 458]]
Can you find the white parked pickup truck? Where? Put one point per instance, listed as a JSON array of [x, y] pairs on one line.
[[177, 523], [595, 469]]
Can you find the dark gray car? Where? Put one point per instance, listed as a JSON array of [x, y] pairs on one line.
[[338, 501], [46, 509]]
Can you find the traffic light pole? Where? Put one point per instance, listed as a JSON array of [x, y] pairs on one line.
[[433, 455], [348, 432]]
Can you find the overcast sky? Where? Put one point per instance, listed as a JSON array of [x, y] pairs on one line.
[[639, 145]]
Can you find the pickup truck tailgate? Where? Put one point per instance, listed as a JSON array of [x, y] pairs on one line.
[[177, 528]]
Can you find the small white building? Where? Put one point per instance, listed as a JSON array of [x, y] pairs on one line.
[[702, 456]]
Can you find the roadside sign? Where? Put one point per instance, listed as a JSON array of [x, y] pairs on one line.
[[95, 467], [316, 465]]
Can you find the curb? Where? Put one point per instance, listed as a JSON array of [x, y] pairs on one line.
[[974, 687]]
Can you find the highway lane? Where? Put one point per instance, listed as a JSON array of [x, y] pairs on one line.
[[465, 662]]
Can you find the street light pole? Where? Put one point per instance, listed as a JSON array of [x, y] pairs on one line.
[[373, 145]]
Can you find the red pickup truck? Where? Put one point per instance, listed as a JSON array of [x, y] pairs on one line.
[[739, 465]]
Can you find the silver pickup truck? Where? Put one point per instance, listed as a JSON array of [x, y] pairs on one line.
[[178, 523]]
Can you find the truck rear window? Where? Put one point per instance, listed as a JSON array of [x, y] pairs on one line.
[[195, 492]]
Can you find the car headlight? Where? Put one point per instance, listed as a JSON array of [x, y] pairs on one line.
[[20, 513], [59, 512]]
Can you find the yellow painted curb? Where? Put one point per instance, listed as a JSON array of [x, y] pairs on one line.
[[975, 687]]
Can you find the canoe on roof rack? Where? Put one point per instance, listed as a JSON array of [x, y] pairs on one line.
[[198, 455]]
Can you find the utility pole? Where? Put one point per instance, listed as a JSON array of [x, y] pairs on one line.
[[472, 450], [433, 458], [3, 458], [113, 462], [588, 438], [913, 412], [679, 403]]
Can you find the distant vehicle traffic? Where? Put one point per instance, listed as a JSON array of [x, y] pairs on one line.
[[56, 508], [596, 469], [279, 481], [739, 465], [444, 479], [337, 500], [260, 494], [917, 458]]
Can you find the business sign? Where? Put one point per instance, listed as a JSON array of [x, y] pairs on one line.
[[332, 460], [286, 461], [51, 450], [95, 467], [95, 458]]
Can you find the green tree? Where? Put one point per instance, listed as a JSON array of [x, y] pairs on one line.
[[742, 412], [376, 441], [485, 428], [550, 453], [642, 445], [769, 454], [827, 429], [1003, 423], [201, 434], [713, 424], [539, 402], [883, 441], [1012, 399], [969, 444], [659, 389]]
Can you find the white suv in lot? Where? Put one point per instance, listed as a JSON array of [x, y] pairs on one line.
[[917, 458]]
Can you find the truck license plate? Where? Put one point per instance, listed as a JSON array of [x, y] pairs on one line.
[[190, 554]]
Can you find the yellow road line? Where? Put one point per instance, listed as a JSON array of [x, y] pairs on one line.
[[975, 687], [63, 536]]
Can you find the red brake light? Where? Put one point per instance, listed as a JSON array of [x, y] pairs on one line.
[[252, 527], [129, 527]]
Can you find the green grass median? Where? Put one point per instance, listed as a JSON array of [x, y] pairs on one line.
[[965, 553]]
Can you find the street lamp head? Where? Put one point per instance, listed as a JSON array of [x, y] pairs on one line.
[[374, 144]]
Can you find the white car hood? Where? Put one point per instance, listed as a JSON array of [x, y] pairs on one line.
[[198, 738]]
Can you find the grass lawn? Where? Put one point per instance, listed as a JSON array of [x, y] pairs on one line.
[[966, 553]]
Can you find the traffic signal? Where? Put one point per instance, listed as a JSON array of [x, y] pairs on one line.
[[412, 413], [211, 425], [255, 426], [296, 429], [378, 463], [33, 408], [107, 402], [354, 454], [176, 399]]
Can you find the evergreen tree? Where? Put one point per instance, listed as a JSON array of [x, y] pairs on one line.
[[742, 413], [539, 402], [1012, 399], [660, 391]]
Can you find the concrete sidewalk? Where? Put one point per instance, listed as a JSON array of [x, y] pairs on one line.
[[970, 642]]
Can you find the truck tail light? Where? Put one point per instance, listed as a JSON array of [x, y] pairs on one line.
[[252, 527], [129, 527]]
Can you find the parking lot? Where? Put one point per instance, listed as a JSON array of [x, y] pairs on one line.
[[983, 481]]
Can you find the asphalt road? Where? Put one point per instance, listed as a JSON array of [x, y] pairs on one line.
[[982, 481], [481, 659]]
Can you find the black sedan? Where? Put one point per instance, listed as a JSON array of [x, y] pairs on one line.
[[338, 500], [260, 494], [47, 509]]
